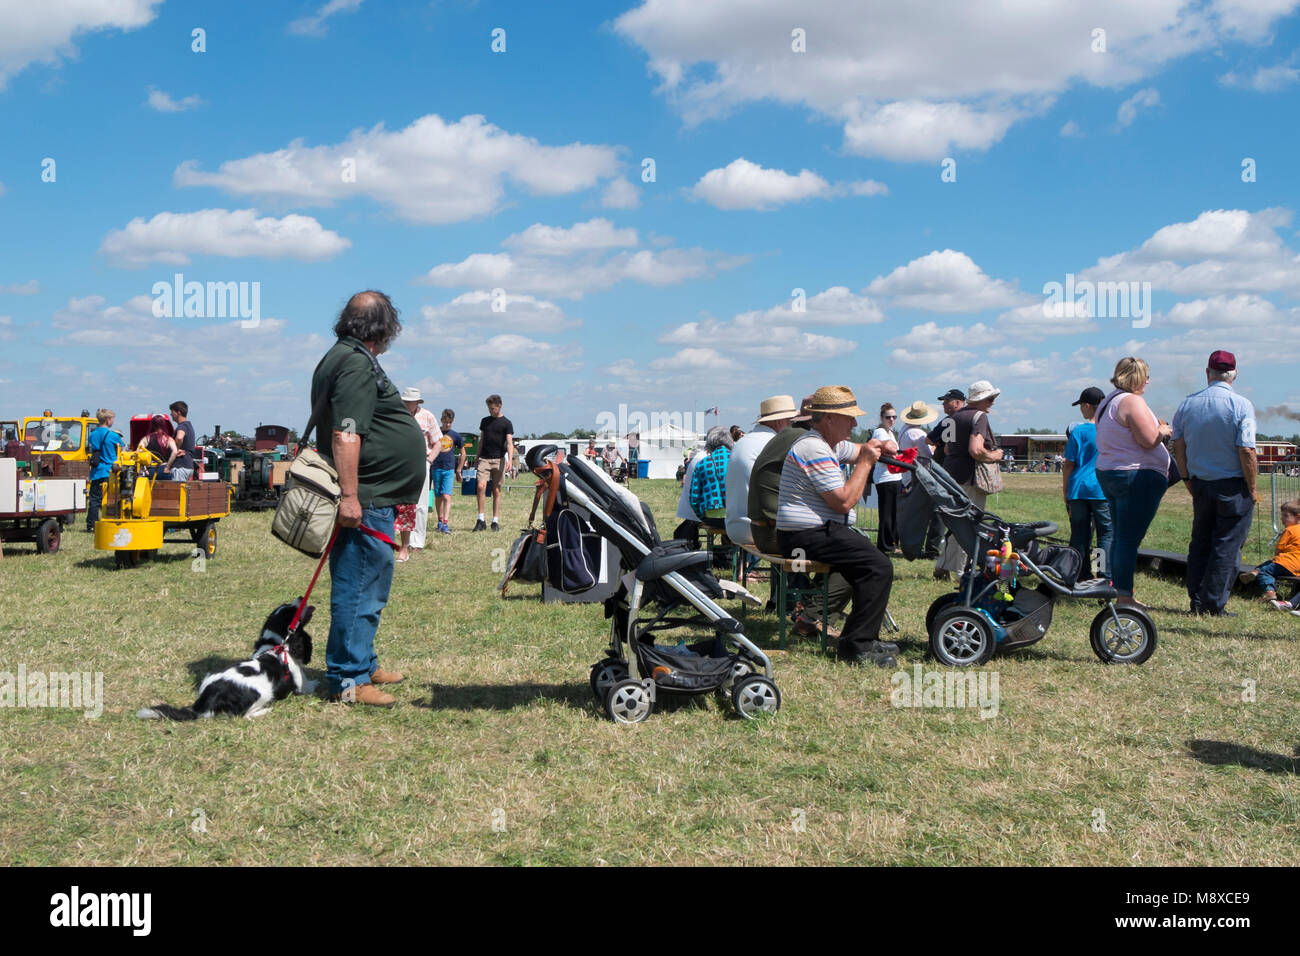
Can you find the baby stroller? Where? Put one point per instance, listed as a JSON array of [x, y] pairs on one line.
[[994, 608], [665, 585]]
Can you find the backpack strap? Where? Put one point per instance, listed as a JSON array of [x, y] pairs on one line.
[[321, 402]]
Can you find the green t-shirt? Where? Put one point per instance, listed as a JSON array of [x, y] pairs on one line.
[[361, 399]]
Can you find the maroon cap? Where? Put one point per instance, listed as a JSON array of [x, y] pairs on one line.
[[1222, 361]]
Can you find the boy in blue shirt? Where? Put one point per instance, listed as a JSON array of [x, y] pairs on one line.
[[103, 445], [446, 468], [1084, 500]]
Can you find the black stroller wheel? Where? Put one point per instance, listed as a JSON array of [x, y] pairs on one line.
[[1132, 641], [939, 603], [629, 702], [755, 695], [961, 637], [604, 675]]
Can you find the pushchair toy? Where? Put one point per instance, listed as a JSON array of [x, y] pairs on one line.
[[665, 585], [996, 605]]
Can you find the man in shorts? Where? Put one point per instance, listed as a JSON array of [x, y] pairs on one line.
[[496, 452], [447, 469]]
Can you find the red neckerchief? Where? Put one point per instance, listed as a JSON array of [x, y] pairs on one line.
[[283, 651]]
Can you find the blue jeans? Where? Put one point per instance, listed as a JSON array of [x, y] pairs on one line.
[[1221, 514], [1268, 572], [1084, 513], [361, 574], [1134, 498]]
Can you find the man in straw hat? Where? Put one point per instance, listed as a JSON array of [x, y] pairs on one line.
[[774, 416], [761, 508], [812, 519], [914, 418]]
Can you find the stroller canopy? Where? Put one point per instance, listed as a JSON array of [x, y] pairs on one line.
[[933, 489]]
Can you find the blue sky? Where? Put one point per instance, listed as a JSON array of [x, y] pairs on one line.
[[522, 171]]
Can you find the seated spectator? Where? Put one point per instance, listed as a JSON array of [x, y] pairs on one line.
[[709, 479], [161, 445], [774, 416], [1286, 559], [914, 419], [812, 523]]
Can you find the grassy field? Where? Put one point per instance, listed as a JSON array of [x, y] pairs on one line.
[[496, 754]]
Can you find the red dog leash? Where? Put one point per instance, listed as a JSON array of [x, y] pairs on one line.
[[297, 616]]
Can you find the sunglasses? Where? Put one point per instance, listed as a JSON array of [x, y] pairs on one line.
[[890, 417]]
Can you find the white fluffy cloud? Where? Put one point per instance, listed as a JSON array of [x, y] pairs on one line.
[[512, 349], [946, 281], [430, 172], [1041, 320], [1142, 99], [1222, 251], [172, 237], [569, 263], [44, 32], [704, 359], [833, 306], [754, 336], [473, 310], [915, 81], [163, 102], [30, 287], [592, 235], [315, 25], [1265, 79], [620, 194], [745, 185]]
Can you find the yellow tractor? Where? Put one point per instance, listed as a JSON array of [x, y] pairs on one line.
[[139, 510]]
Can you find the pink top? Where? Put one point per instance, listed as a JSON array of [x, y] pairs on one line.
[[1118, 449], [432, 433]]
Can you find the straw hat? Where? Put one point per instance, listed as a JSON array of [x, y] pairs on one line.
[[834, 400], [981, 390], [412, 394], [776, 408], [919, 413]]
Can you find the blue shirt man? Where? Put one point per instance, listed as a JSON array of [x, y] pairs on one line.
[[1214, 423], [103, 445], [1214, 445]]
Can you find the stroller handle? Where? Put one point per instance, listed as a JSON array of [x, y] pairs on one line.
[[889, 460]]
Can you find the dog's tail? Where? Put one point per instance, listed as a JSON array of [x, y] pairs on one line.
[[169, 712]]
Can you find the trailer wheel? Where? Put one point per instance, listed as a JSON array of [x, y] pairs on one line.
[[205, 538], [48, 536], [127, 559]]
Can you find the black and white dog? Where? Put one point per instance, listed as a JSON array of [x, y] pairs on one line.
[[249, 688]]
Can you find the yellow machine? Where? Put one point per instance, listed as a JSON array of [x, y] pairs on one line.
[[62, 436], [140, 511]]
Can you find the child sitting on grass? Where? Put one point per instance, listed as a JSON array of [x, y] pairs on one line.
[[1287, 557]]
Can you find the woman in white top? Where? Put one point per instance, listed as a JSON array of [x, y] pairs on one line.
[[887, 485], [915, 435]]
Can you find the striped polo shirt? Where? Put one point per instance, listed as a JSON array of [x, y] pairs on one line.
[[810, 468]]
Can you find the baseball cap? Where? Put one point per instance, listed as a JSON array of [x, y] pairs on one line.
[[953, 395], [1090, 396], [1221, 361]]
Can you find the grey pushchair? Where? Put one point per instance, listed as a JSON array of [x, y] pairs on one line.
[[994, 607], [665, 585]]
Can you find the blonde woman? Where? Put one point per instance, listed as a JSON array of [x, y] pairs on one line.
[[1132, 468]]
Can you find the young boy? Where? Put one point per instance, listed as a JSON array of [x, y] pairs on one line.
[[1287, 558]]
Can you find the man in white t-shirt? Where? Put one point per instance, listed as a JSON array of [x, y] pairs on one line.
[[812, 518], [774, 415]]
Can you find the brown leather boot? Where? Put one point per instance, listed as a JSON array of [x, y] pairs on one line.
[[364, 694], [381, 676]]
